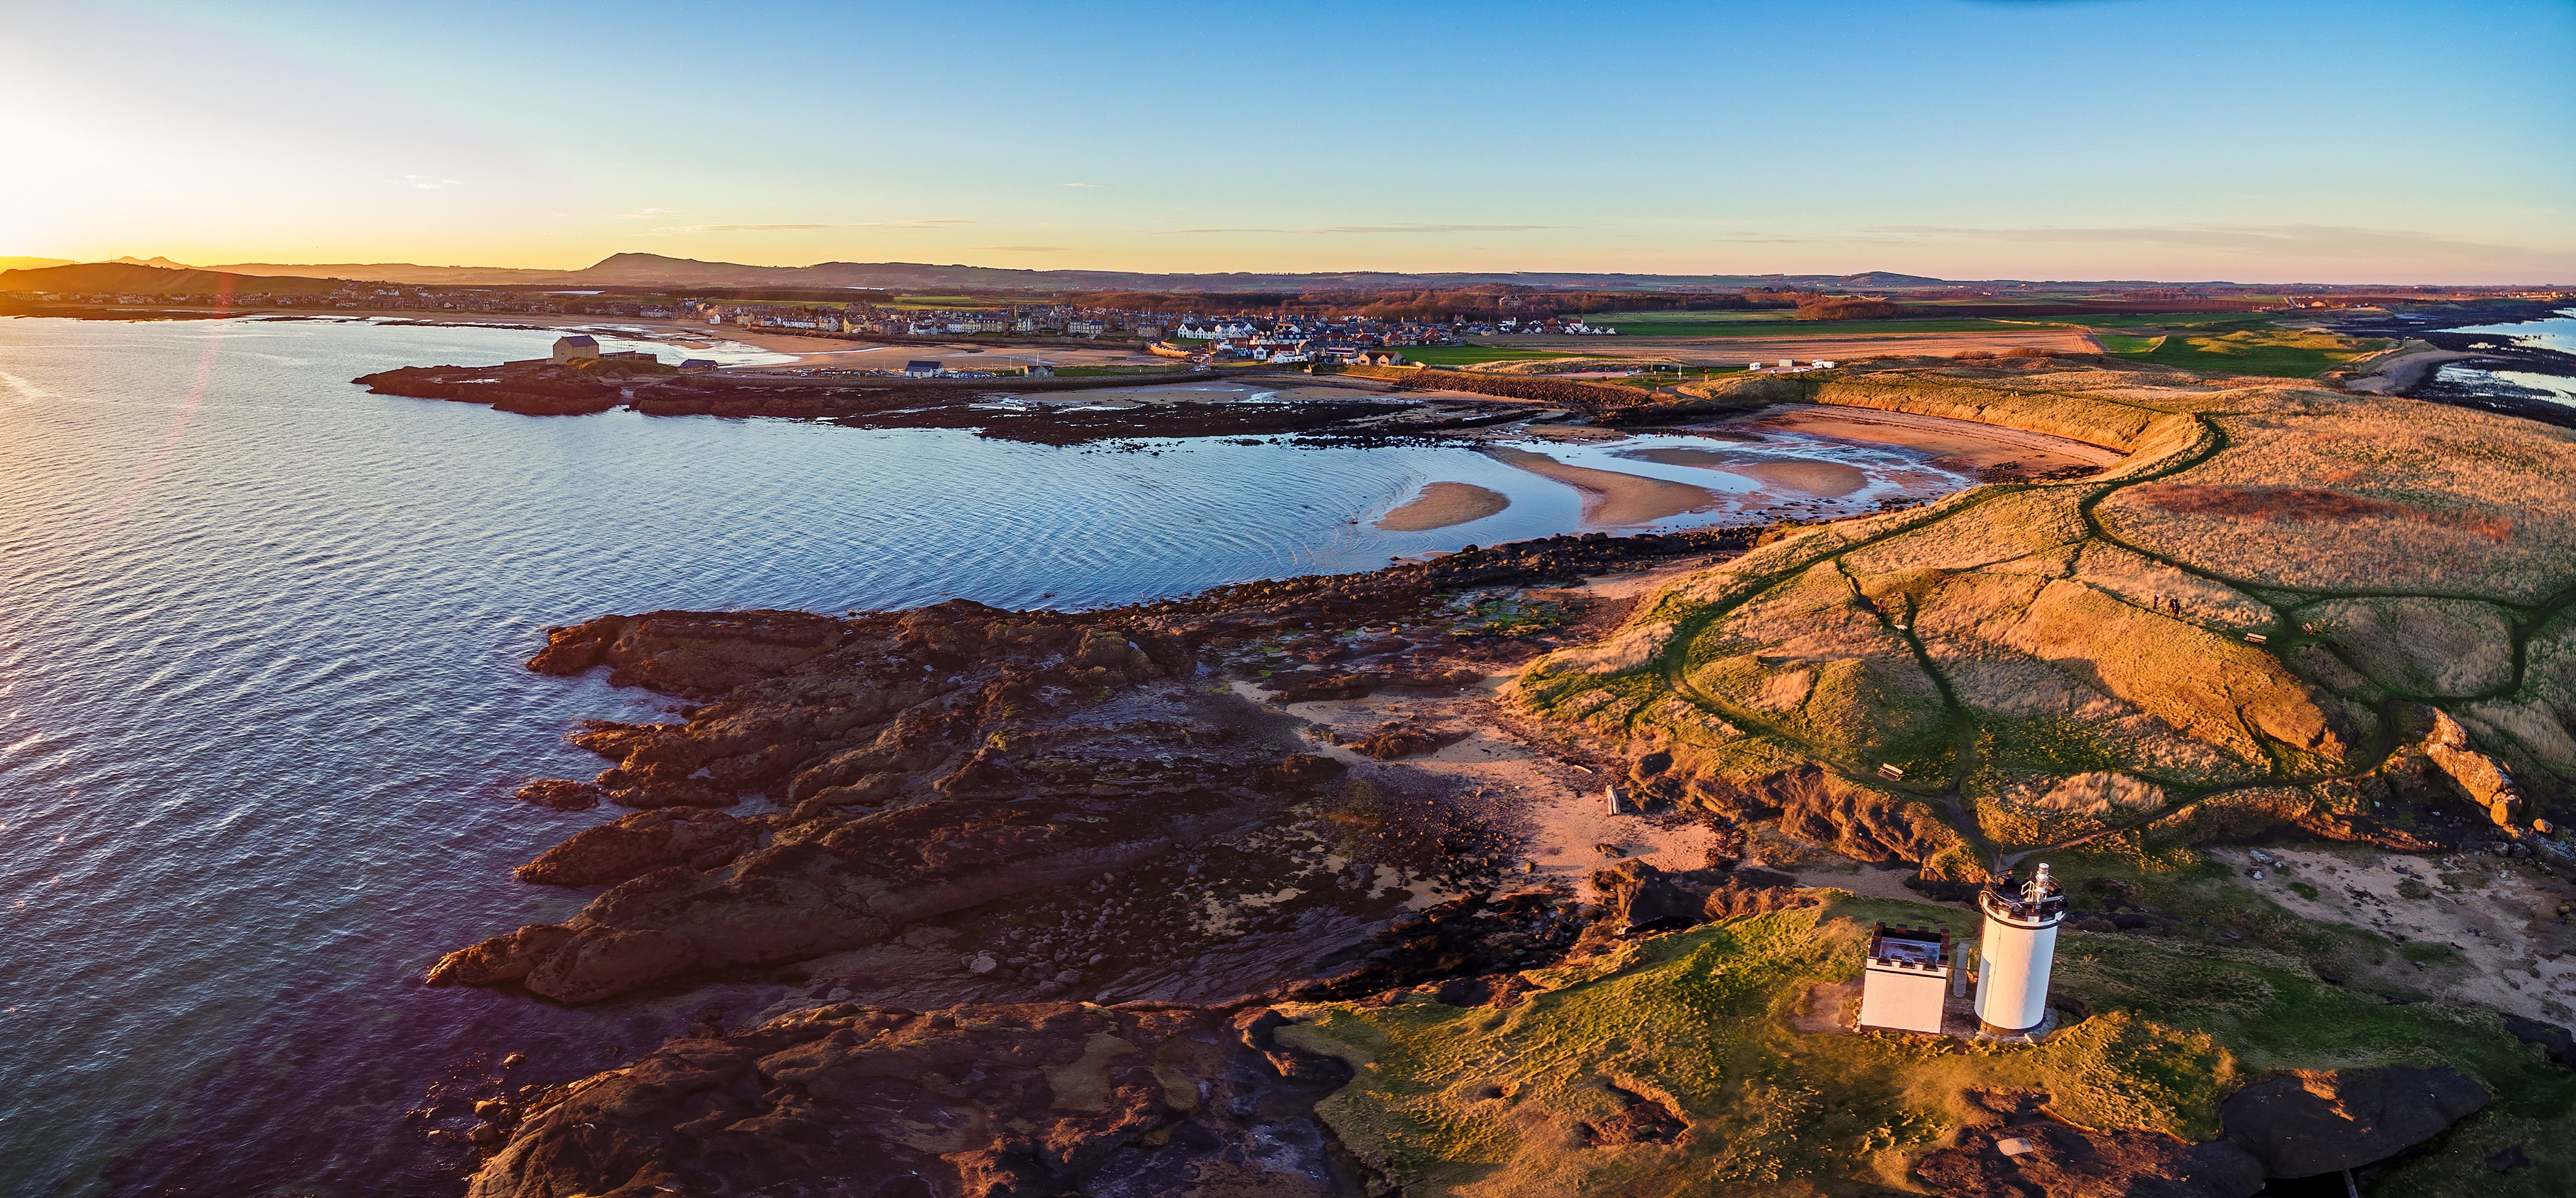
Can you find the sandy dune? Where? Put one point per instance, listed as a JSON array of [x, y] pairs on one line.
[[1440, 505], [1612, 498]]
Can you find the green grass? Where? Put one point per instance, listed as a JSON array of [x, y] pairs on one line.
[[1449, 1098], [1470, 355], [1768, 324], [2241, 345], [2426, 952], [2170, 320]]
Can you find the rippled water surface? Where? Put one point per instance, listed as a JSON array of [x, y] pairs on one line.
[[261, 705]]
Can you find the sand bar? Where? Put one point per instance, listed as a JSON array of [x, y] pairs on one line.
[[1955, 443], [1610, 497], [1440, 505], [1830, 480]]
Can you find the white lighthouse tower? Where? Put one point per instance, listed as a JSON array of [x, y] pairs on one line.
[[2013, 953]]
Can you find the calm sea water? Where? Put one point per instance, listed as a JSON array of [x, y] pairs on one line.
[[2555, 333], [261, 706]]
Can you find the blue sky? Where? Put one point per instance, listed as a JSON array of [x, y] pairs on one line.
[[2282, 141]]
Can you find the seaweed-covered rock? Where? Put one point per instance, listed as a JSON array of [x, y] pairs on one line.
[[2056, 1160], [979, 1102]]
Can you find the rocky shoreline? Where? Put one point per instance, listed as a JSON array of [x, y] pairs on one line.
[[2481, 351], [1051, 886], [1003, 409], [1042, 821]]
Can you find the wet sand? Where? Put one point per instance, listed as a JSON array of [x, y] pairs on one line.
[[1441, 505], [1609, 497], [1829, 480], [1956, 444]]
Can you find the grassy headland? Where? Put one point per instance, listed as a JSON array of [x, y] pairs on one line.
[[2249, 612]]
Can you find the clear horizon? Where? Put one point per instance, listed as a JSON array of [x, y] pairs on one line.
[[2043, 141]]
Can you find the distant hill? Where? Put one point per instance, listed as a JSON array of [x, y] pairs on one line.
[[133, 278], [658, 271], [1886, 278], [32, 263], [407, 273], [661, 271], [640, 270]]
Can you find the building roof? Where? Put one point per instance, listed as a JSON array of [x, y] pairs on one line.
[[580, 341], [909, 366]]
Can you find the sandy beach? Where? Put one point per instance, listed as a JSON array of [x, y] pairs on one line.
[[1956, 444], [1440, 505], [1831, 480], [1609, 497]]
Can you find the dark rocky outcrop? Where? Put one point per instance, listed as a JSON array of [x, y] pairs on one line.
[[2304, 1124], [975, 1102], [1461, 938], [1823, 808], [933, 760], [2553, 1039], [2056, 1160], [543, 388], [641, 843], [1644, 898]]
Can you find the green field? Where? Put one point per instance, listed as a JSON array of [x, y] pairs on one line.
[[2246, 346], [1470, 355], [1773, 324], [2168, 320]]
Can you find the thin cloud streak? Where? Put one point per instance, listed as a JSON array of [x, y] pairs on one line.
[[2261, 240], [1342, 229], [809, 227]]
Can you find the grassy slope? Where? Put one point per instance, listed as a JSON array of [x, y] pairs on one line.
[[2239, 345], [2043, 615], [1699, 1020]]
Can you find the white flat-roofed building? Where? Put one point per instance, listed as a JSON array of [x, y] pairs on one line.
[[1907, 979]]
